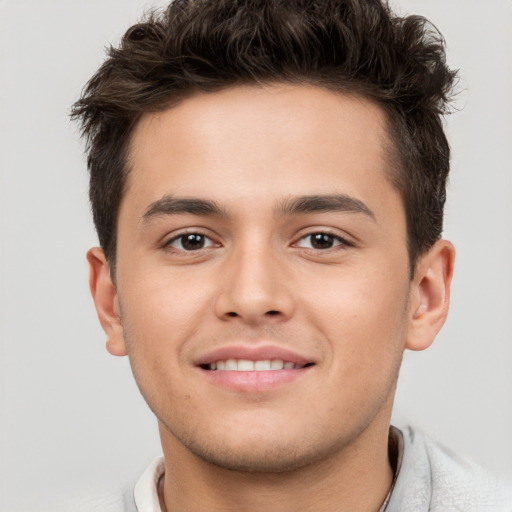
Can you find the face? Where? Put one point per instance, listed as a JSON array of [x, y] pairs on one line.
[[262, 274]]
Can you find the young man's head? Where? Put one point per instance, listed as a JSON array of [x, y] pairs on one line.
[[264, 177]]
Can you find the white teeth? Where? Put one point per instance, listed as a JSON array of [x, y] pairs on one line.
[[231, 364], [245, 365], [262, 366], [276, 364]]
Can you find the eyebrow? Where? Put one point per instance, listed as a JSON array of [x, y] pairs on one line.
[[169, 205], [324, 204]]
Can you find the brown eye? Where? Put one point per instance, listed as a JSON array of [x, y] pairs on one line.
[[190, 242], [320, 241]]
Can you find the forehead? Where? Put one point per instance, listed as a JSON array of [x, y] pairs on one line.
[[252, 142]]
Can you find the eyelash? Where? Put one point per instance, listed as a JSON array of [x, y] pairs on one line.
[[169, 243], [336, 240]]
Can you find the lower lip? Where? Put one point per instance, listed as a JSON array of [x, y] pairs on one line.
[[254, 382]]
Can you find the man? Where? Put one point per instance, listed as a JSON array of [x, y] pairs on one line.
[[267, 183]]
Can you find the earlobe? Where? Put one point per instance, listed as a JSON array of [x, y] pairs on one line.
[[430, 295], [104, 294]]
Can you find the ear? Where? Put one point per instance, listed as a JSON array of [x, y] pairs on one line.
[[430, 295], [104, 294]]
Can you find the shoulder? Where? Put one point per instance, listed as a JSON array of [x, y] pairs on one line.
[[432, 478], [137, 496]]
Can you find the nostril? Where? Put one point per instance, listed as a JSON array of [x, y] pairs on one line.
[[232, 313], [272, 313]]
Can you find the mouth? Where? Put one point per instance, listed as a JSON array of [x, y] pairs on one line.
[[254, 369], [247, 365]]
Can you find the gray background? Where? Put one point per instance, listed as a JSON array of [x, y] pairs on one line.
[[71, 418]]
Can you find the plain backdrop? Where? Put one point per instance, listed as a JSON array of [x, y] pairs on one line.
[[71, 417]]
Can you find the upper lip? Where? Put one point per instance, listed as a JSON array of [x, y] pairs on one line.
[[252, 353]]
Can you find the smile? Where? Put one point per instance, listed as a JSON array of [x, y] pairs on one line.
[[254, 368], [246, 365]]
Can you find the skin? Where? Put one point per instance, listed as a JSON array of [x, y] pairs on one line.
[[318, 442]]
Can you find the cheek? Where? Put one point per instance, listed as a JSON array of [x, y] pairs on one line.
[[160, 313], [161, 310], [362, 315]]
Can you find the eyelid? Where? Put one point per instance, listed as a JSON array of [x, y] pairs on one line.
[[168, 240], [344, 240], [336, 242]]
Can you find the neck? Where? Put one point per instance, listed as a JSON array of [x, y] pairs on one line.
[[356, 477]]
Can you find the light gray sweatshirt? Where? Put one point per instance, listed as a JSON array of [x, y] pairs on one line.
[[431, 478], [428, 478]]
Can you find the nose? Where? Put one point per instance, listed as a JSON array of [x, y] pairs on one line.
[[254, 288]]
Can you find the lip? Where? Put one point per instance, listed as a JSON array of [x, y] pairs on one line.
[[256, 353], [255, 381]]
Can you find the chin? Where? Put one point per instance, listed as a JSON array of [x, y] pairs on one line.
[[258, 453], [270, 459]]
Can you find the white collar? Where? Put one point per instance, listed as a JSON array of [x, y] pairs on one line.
[[145, 492]]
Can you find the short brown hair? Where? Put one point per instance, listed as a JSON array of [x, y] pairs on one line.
[[351, 46]]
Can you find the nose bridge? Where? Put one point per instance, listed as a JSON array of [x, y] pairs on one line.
[[255, 284]]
